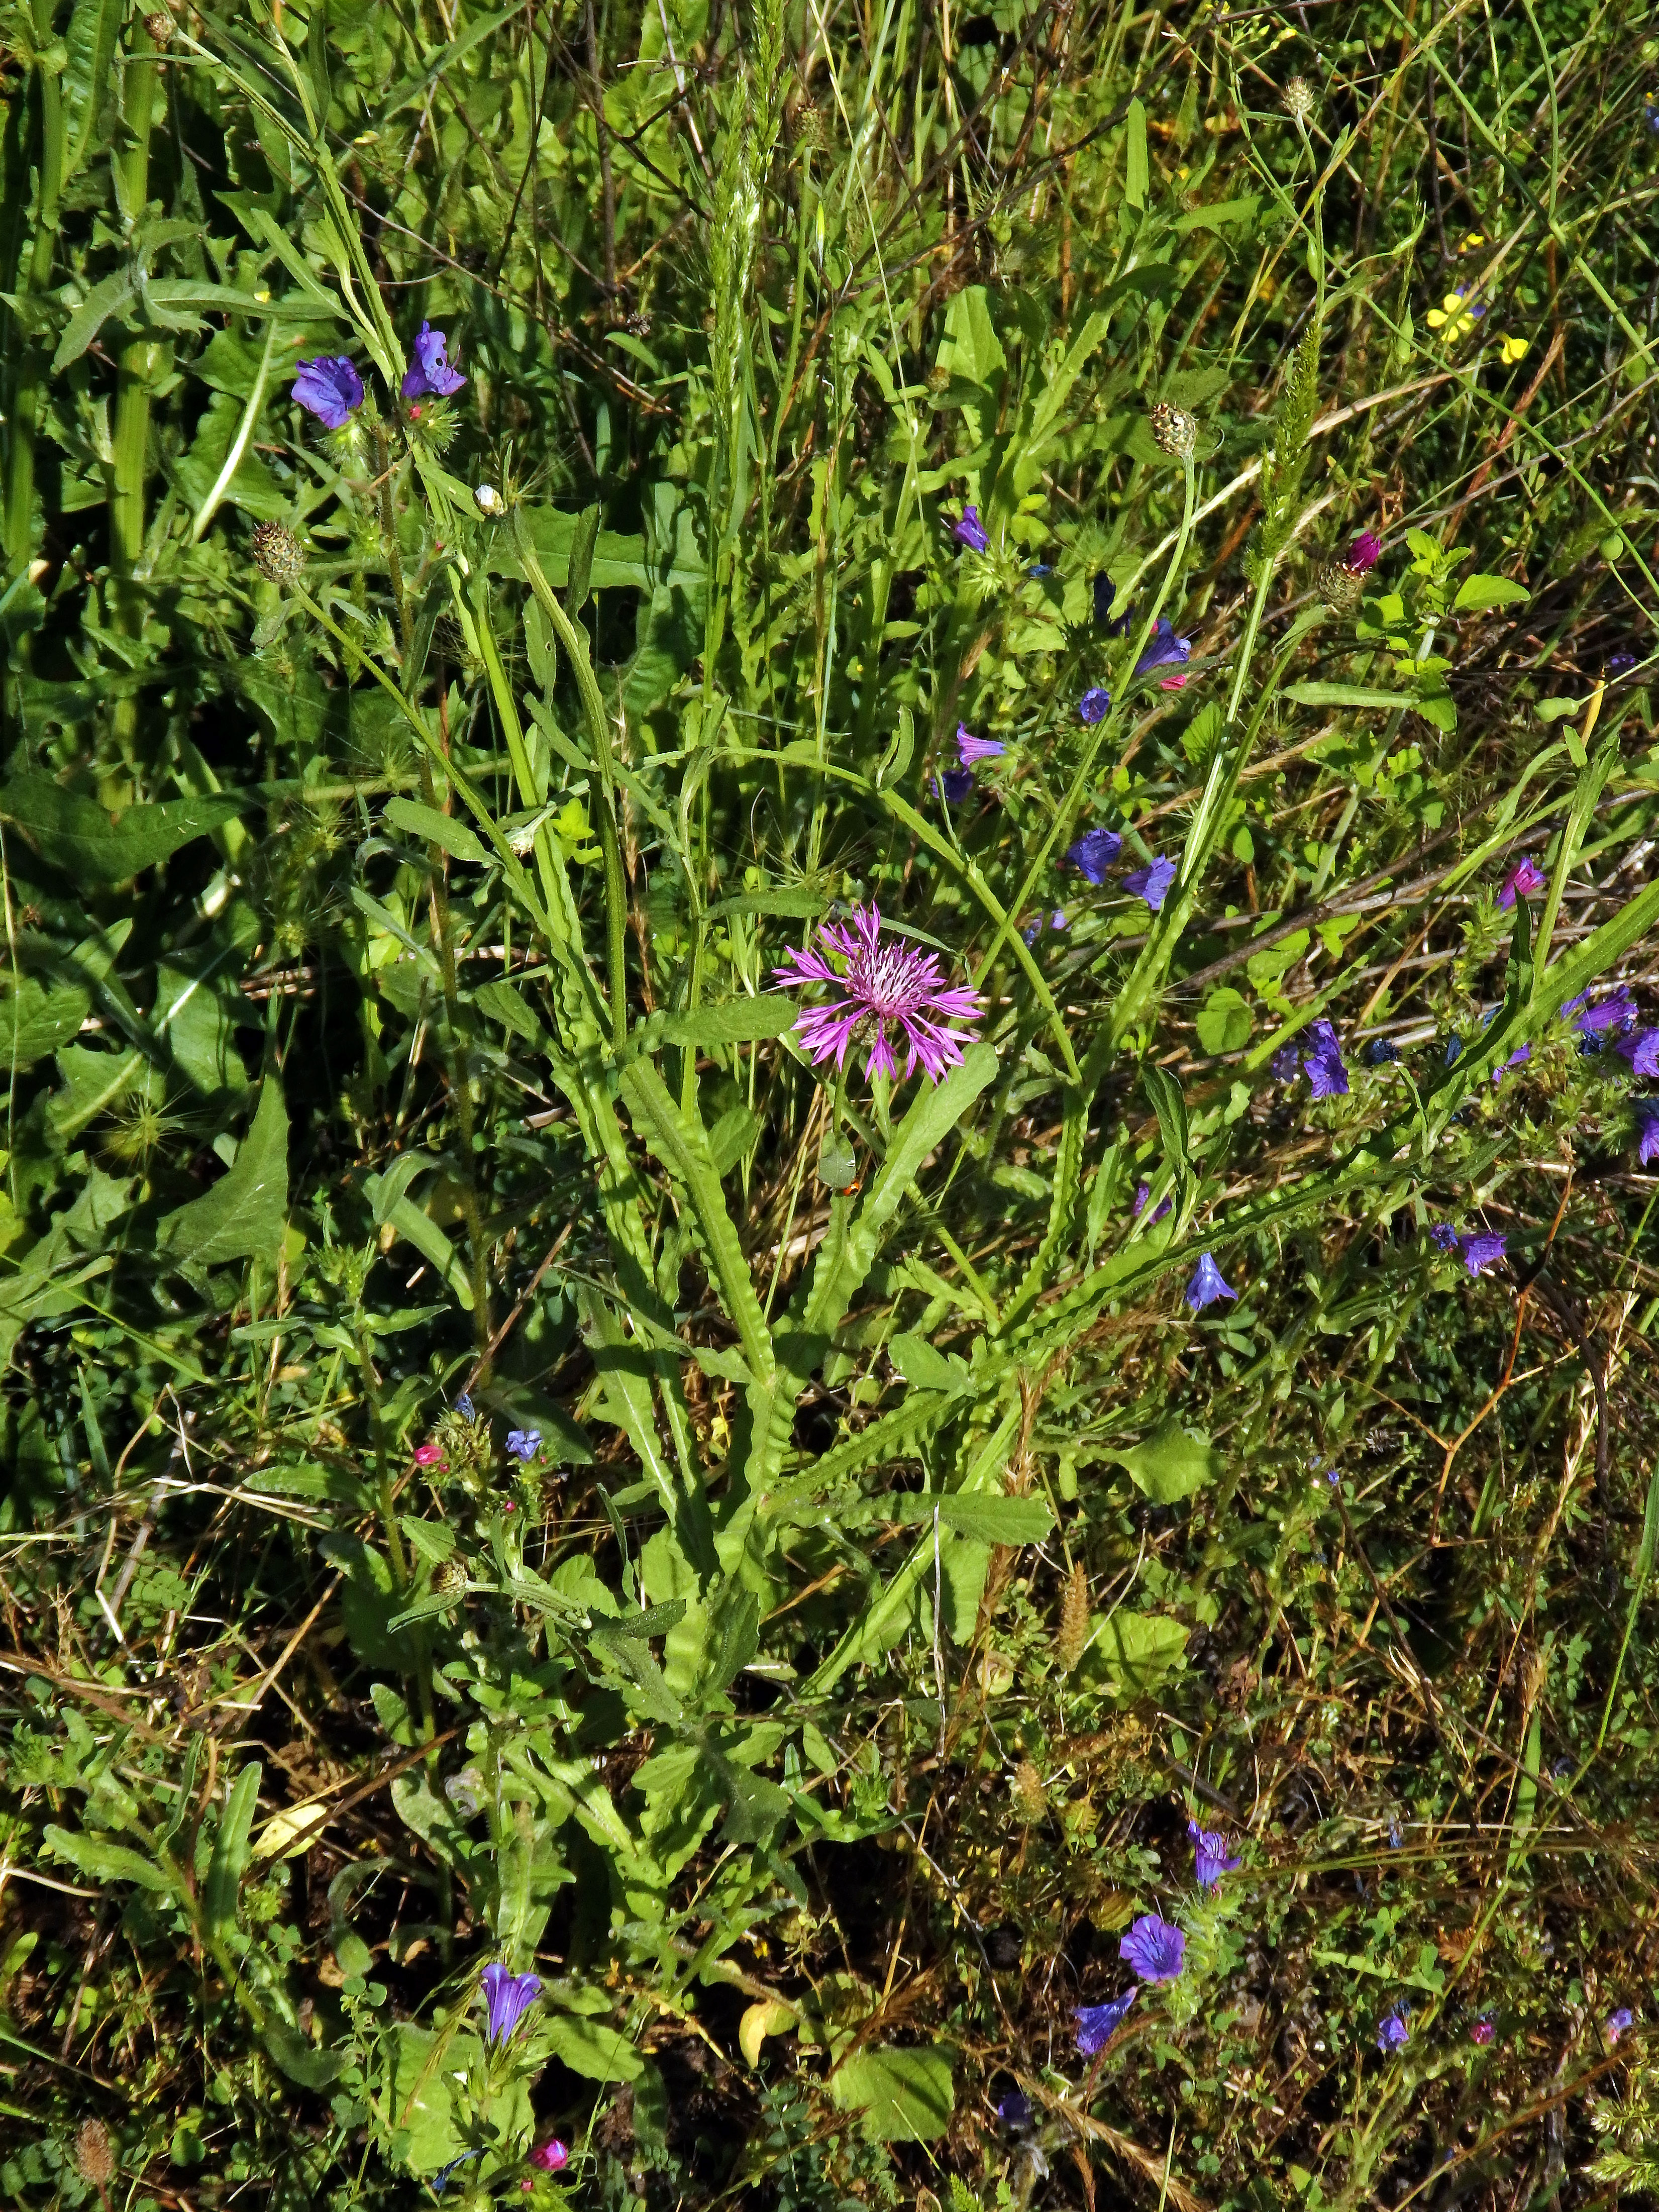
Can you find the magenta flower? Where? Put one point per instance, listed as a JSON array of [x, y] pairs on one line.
[[1483, 2031], [1164, 647], [428, 1454], [507, 1997], [1094, 705], [1210, 1855], [1641, 1051], [970, 531], [1365, 553], [1094, 853], [330, 388], [1392, 2032], [1157, 1951], [970, 749], [1207, 1284], [882, 983], [429, 374], [1097, 2024], [1152, 883], [552, 2156], [1480, 1253], [1648, 1148], [1524, 881]]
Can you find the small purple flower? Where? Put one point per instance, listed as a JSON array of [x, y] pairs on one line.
[[1157, 1951], [1326, 1075], [1210, 1855], [1365, 553], [1207, 1284], [330, 388], [970, 531], [1454, 1049], [1033, 930], [1641, 1051], [1143, 1192], [1392, 2033], [1480, 1253], [1097, 2024], [1014, 2109], [970, 749], [1526, 880], [1443, 1236], [1617, 1012], [523, 1444], [507, 1997], [1618, 662], [883, 982], [955, 785], [1382, 1052], [1164, 647], [1620, 2023], [1152, 883], [429, 374], [1094, 853], [1095, 705], [1286, 1065], [1483, 2031], [464, 1406], [1647, 1148], [1039, 568], [1517, 1059]]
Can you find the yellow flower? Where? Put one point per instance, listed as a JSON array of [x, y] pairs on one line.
[[1473, 243], [1510, 349], [1458, 320]]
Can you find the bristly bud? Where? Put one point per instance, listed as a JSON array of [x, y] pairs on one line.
[[1299, 99], [278, 553], [160, 27], [1074, 1618], [449, 1578], [1030, 1798], [1341, 587], [95, 2153], [1174, 430]]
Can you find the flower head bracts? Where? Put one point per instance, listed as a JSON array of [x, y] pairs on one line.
[[1097, 2024], [330, 388], [507, 1997], [1156, 1950], [429, 374], [885, 984]]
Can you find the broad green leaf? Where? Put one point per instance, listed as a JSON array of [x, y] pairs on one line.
[[34, 1021], [78, 836], [1140, 1650], [987, 1519], [1224, 1021], [1475, 593], [1172, 1464], [905, 2096], [300, 2058], [917, 1362], [730, 1021], [105, 1862], [230, 1850], [1137, 171], [245, 1214], [111, 295], [593, 2048], [1347, 695], [433, 828]]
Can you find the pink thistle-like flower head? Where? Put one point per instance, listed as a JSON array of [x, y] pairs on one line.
[[883, 984]]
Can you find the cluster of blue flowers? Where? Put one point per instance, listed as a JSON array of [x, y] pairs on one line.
[[330, 387]]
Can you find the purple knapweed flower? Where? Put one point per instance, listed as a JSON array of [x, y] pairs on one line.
[[1143, 1192], [552, 2156], [970, 749], [1391, 2030], [1157, 1951], [1210, 1855], [1526, 880], [955, 785], [1094, 853], [1207, 1284], [1286, 1065], [1014, 2109], [970, 531], [1365, 553], [882, 983], [1641, 1051], [1152, 883], [464, 1406], [1442, 1234], [330, 388], [1648, 1139], [1482, 1252], [1164, 647], [1483, 2031], [1620, 2023], [1095, 705], [507, 1997], [429, 376], [1097, 2024], [523, 1444]]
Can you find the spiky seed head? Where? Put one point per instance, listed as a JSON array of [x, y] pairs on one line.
[[278, 553], [160, 26], [1341, 588], [1299, 99], [1030, 1798], [1074, 1618], [1174, 430], [449, 1578], [487, 500], [95, 2153]]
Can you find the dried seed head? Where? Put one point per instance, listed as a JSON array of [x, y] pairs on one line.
[[1174, 430], [449, 1577], [1030, 1799], [1299, 99], [95, 2153], [1074, 1618], [160, 26], [1340, 586], [278, 553]]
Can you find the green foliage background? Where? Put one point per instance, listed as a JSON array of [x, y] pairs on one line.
[[400, 829]]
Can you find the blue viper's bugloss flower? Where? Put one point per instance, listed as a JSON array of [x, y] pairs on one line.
[[1482, 1252], [1033, 930], [955, 785], [1454, 1049], [1286, 1065], [1207, 1284], [464, 1406], [1443, 1236], [1143, 1191], [1648, 1144], [1326, 1075], [1014, 2109], [970, 531], [1391, 2030], [1618, 2022], [1095, 705], [524, 1443], [1094, 853], [1641, 1051], [1525, 880], [1618, 662], [1039, 568], [507, 1997], [1097, 2024], [1164, 647], [1517, 1059], [1152, 883], [330, 388], [1618, 1012], [429, 374], [1157, 1951], [970, 749], [1210, 1855], [1382, 1052]]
